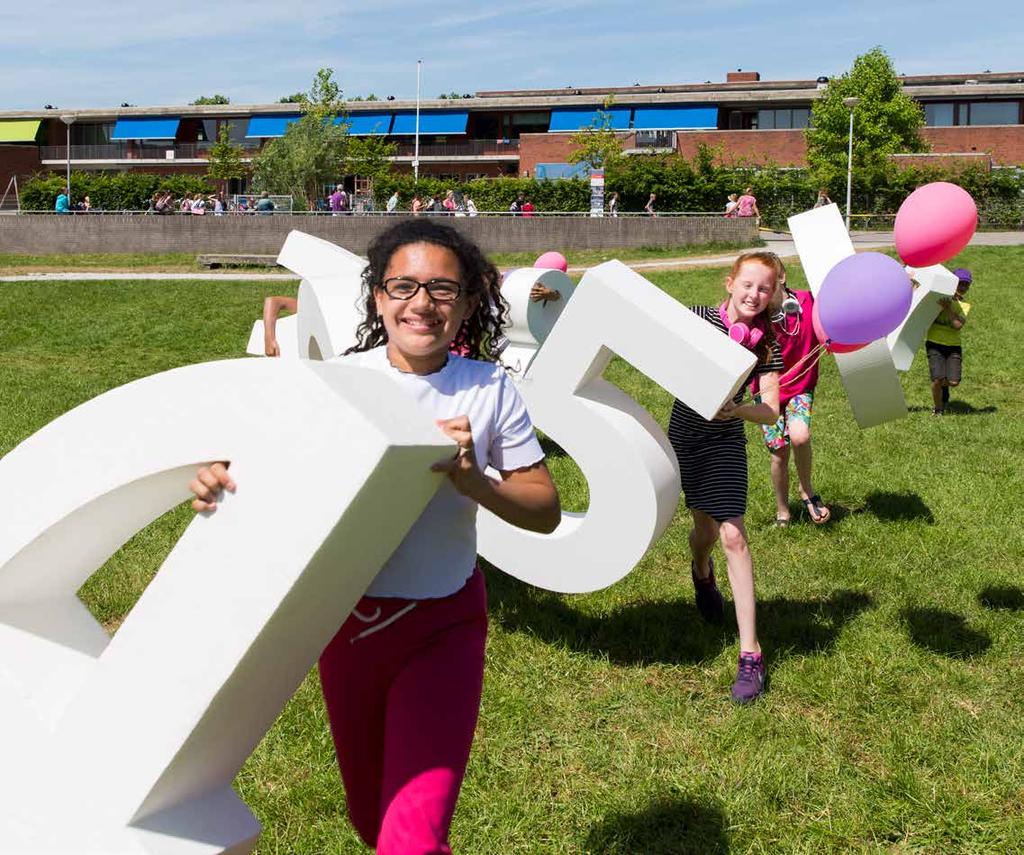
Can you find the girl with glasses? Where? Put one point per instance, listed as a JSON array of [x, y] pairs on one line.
[[402, 678]]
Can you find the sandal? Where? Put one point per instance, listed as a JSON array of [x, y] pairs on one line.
[[816, 510], [782, 522]]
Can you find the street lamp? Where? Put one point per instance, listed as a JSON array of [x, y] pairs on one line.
[[68, 121], [850, 104], [416, 145]]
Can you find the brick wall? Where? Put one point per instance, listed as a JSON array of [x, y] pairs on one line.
[[17, 160], [1005, 143], [783, 148], [551, 148], [95, 233]]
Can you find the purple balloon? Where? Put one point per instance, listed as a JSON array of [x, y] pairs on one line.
[[863, 298]]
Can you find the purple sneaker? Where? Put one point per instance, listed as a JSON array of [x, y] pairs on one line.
[[709, 599], [750, 678]]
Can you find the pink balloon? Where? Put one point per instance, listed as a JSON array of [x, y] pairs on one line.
[[552, 261], [830, 346], [934, 223]]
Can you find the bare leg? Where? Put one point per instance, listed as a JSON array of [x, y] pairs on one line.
[[937, 393], [702, 540], [733, 535], [780, 481], [800, 437]]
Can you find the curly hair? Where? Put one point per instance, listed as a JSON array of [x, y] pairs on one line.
[[481, 331], [763, 351]]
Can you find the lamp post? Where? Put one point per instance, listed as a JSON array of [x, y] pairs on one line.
[[850, 104], [68, 122], [416, 145]]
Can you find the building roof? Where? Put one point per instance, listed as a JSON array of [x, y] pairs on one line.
[[922, 87]]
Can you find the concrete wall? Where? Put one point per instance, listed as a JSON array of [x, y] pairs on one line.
[[85, 233]]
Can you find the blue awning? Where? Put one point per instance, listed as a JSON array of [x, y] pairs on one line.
[[270, 126], [673, 117], [369, 122], [571, 119], [552, 171], [156, 128], [440, 122]]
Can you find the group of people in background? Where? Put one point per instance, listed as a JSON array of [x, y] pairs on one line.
[[743, 205]]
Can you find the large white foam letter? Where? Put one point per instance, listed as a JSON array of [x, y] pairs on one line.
[[130, 744], [625, 456]]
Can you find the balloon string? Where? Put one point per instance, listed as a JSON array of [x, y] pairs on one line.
[[816, 353]]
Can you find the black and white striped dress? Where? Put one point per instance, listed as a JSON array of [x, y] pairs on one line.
[[712, 454]]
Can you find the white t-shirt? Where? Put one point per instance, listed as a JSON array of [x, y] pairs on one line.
[[438, 555]]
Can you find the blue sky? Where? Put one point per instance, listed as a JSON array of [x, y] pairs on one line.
[[254, 51]]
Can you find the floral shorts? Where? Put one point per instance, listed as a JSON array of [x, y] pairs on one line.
[[798, 408]]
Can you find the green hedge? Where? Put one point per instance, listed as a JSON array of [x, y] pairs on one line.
[[109, 191], [489, 194]]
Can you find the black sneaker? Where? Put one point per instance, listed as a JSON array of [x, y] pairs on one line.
[[709, 599]]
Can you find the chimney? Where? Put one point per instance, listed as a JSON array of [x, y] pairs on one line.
[[741, 76]]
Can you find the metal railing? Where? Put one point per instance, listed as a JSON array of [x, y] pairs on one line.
[[375, 213], [465, 148], [126, 151]]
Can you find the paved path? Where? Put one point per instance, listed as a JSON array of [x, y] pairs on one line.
[[778, 242]]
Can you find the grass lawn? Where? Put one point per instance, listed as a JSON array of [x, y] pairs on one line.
[[895, 720], [185, 262]]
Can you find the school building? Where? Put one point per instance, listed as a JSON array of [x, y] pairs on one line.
[[977, 117]]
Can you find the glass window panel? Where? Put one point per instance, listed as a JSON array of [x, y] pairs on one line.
[[801, 118], [766, 120], [783, 118], [938, 115], [995, 113]]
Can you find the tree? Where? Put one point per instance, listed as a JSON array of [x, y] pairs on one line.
[[294, 98], [450, 96], [210, 99], [885, 121], [314, 148], [597, 146], [370, 156], [225, 160]]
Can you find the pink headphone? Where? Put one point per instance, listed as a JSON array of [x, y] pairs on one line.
[[739, 332]]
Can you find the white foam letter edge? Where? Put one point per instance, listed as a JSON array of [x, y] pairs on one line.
[[530, 321], [630, 467], [868, 375], [933, 284], [130, 744]]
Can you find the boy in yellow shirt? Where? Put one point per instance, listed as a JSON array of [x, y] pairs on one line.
[[945, 356]]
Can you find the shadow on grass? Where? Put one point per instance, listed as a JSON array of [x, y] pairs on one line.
[[1002, 597], [668, 632], [898, 507], [956, 407], [944, 633], [667, 827]]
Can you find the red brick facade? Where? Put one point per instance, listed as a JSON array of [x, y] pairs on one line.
[[1005, 143], [17, 160], [783, 148], [551, 148]]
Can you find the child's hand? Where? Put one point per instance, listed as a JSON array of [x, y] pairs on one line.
[[461, 469], [207, 486], [727, 412]]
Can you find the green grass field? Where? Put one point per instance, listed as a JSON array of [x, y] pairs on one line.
[[895, 720], [13, 264]]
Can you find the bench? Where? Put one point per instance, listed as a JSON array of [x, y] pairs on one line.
[[212, 260]]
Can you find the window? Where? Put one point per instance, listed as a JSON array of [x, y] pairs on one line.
[[938, 115], [236, 130], [84, 133], [993, 113], [783, 119]]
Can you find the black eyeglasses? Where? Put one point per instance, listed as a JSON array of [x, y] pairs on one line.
[[404, 288]]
